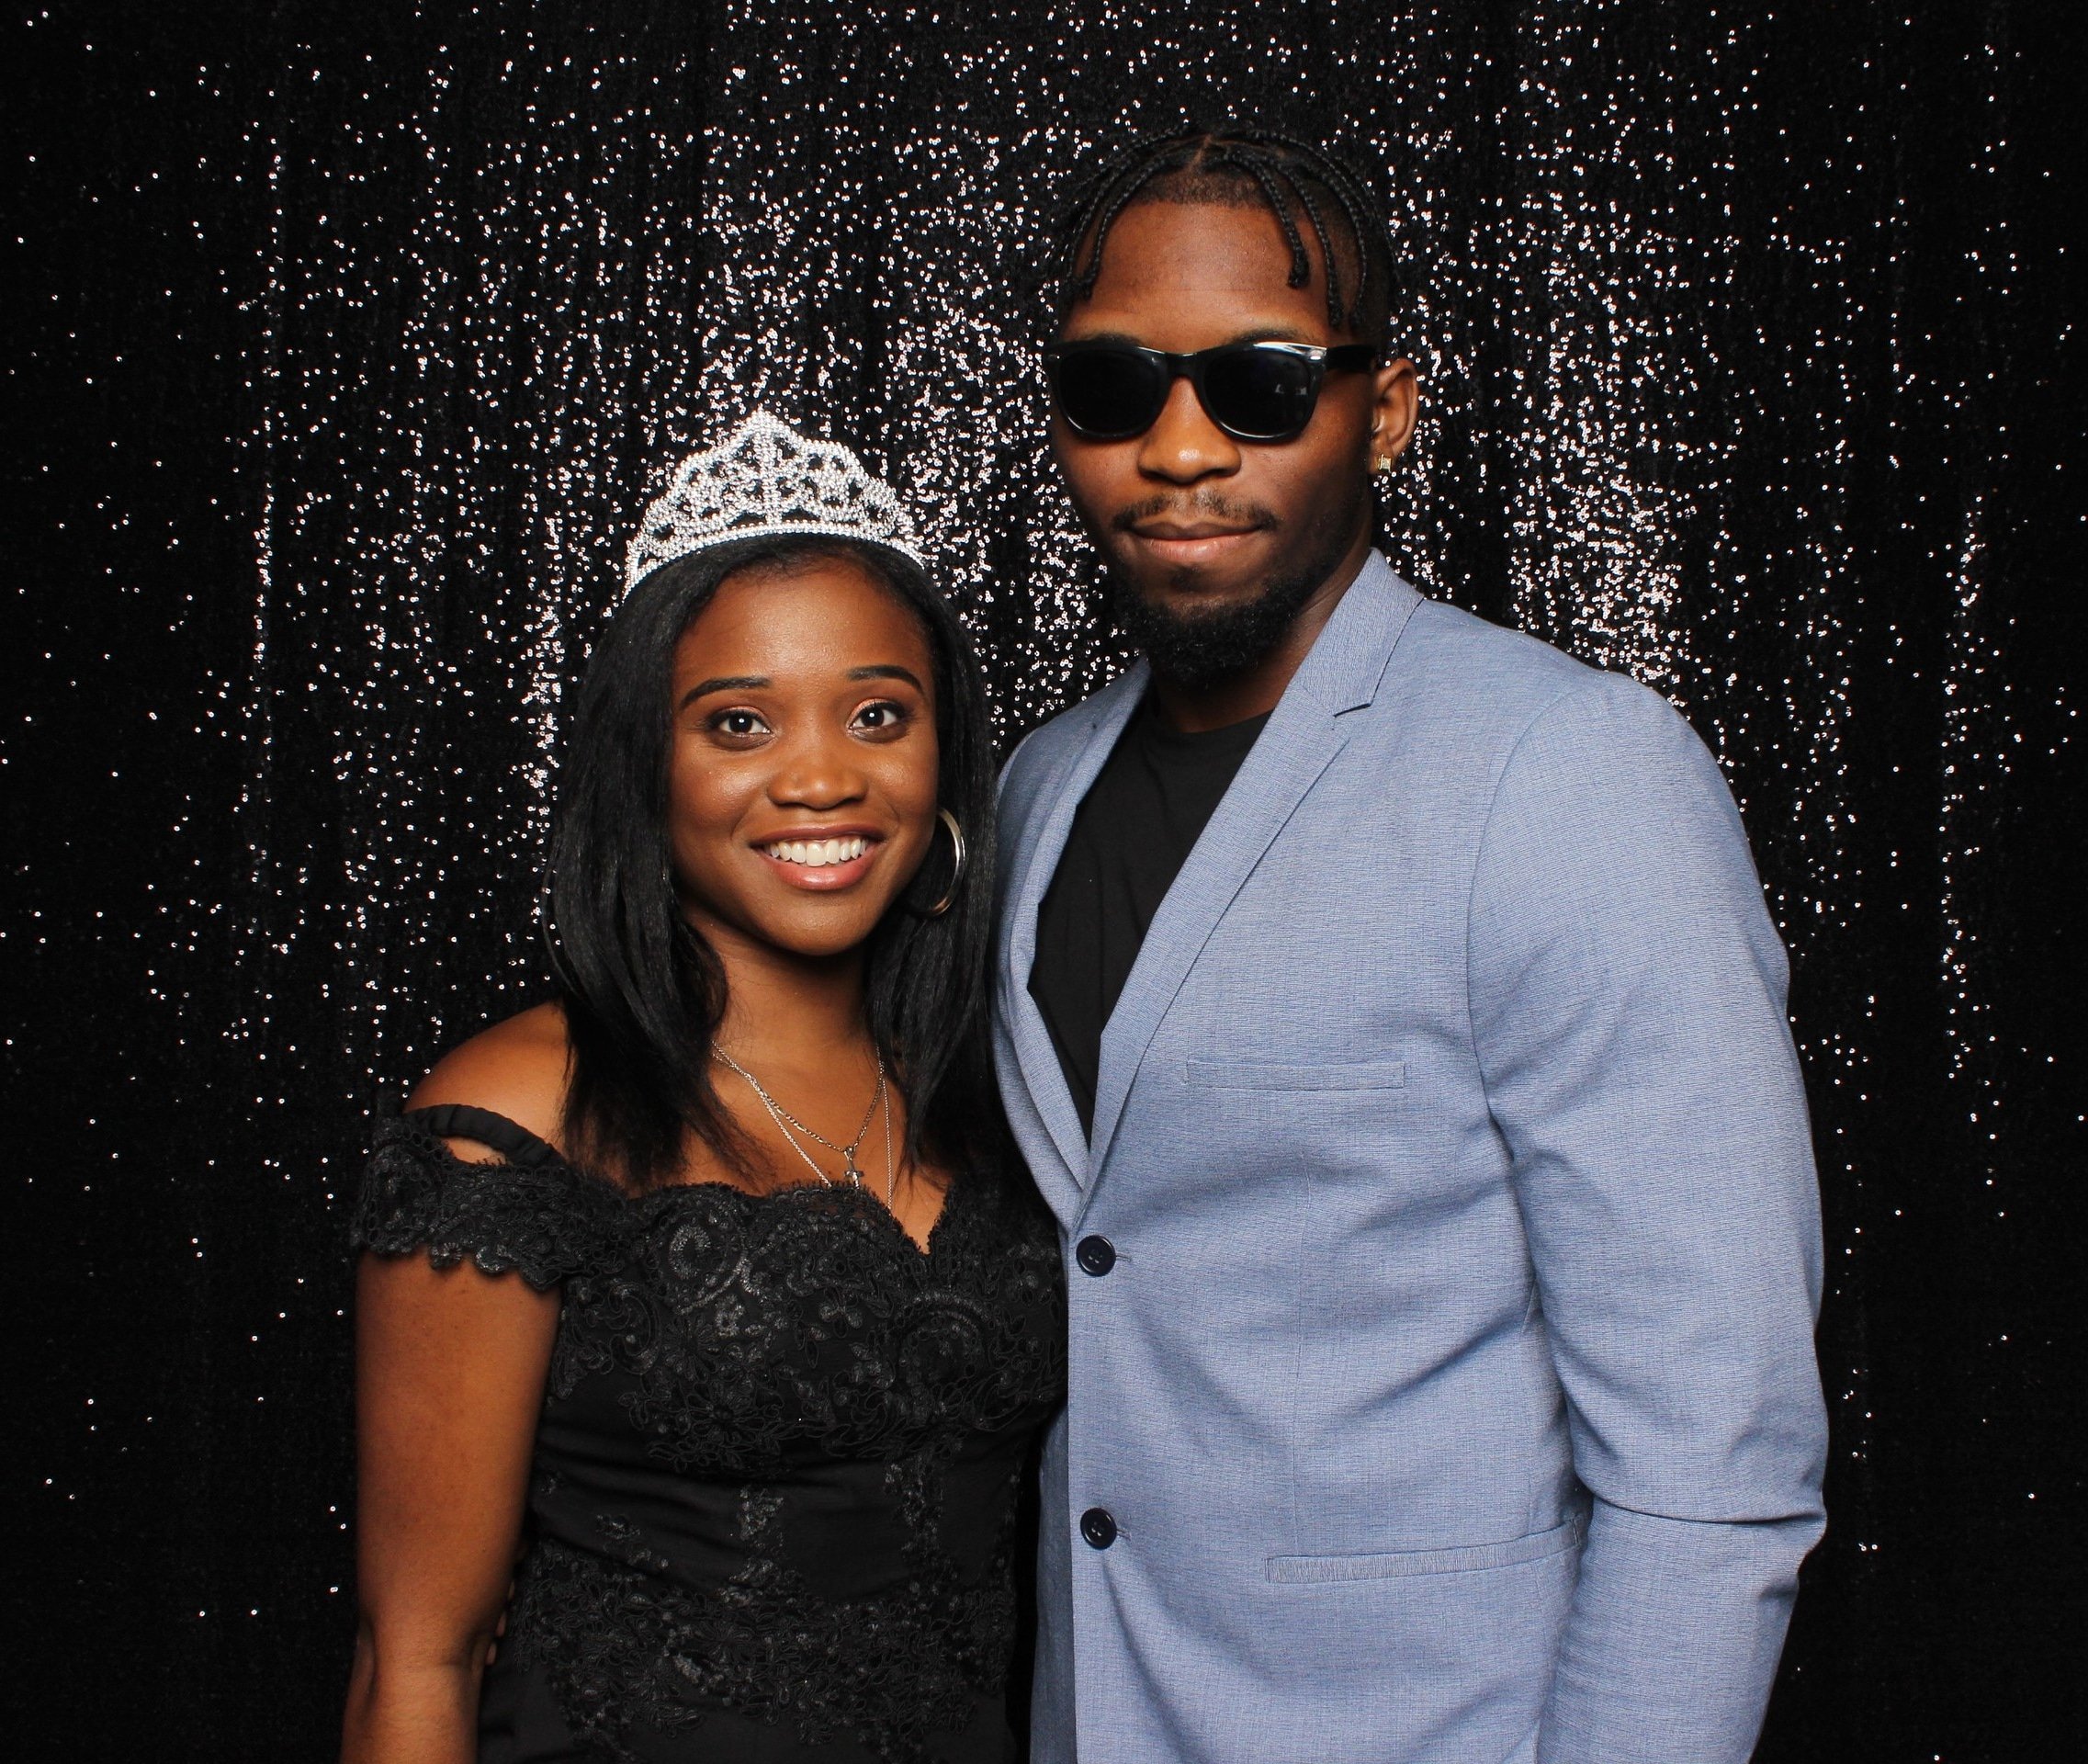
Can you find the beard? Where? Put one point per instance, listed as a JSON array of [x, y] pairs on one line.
[[1199, 647]]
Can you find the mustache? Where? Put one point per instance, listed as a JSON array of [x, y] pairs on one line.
[[1203, 505]]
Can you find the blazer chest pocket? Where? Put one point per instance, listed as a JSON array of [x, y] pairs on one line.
[[1392, 1564], [1254, 1075]]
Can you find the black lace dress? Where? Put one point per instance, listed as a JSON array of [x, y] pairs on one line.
[[772, 1512]]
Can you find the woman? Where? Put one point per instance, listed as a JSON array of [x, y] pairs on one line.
[[705, 1288]]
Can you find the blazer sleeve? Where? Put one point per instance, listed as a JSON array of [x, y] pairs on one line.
[[1628, 998]]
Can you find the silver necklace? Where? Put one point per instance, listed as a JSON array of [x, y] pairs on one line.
[[786, 1121]]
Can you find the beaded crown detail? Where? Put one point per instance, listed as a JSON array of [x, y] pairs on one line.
[[766, 480]]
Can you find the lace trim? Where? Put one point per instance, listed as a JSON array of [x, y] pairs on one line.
[[547, 1223]]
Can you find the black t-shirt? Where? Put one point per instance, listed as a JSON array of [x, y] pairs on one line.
[[1131, 835]]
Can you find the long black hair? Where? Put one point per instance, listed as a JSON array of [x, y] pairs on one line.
[[644, 991]]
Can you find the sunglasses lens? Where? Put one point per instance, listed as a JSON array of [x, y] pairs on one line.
[[1109, 393], [1259, 394]]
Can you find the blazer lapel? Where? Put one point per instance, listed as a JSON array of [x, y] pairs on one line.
[[1039, 848], [1300, 742]]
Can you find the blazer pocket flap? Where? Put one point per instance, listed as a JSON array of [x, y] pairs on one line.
[[1253, 1075], [1393, 1564]]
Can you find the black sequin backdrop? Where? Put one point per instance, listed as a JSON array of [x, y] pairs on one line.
[[346, 340]]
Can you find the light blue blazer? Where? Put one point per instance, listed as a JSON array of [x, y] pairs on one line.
[[1452, 1390]]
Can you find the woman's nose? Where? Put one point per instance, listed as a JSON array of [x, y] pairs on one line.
[[818, 771]]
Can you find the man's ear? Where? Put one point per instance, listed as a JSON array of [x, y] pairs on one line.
[[1396, 395]]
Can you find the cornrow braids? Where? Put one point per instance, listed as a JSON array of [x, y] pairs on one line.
[[1258, 168], [1289, 176], [1334, 306]]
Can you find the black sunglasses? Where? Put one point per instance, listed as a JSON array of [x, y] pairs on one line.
[[1255, 391]]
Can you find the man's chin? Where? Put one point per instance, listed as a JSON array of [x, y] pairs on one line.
[[1185, 592], [1200, 627], [1190, 593]]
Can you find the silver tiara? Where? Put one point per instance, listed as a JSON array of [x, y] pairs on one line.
[[765, 478]]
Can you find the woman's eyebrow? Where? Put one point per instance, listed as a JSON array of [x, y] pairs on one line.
[[888, 671], [726, 683]]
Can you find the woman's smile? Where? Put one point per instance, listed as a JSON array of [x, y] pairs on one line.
[[822, 859]]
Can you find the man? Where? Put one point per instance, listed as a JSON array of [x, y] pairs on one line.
[[1388, 1010]]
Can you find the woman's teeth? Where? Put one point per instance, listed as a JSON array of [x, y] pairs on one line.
[[817, 853]]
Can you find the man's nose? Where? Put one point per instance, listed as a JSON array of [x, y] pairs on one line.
[[1184, 444]]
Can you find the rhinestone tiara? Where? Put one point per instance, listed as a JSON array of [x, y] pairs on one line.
[[763, 479]]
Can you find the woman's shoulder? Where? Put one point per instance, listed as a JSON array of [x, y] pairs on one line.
[[471, 1169], [517, 1070]]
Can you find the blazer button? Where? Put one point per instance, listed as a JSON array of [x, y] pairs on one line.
[[1097, 1527], [1096, 1256]]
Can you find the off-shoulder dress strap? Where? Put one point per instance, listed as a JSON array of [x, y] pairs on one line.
[[461, 1120], [537, 1214]]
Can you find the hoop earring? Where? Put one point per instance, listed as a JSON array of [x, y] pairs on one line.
[[957, 874]]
